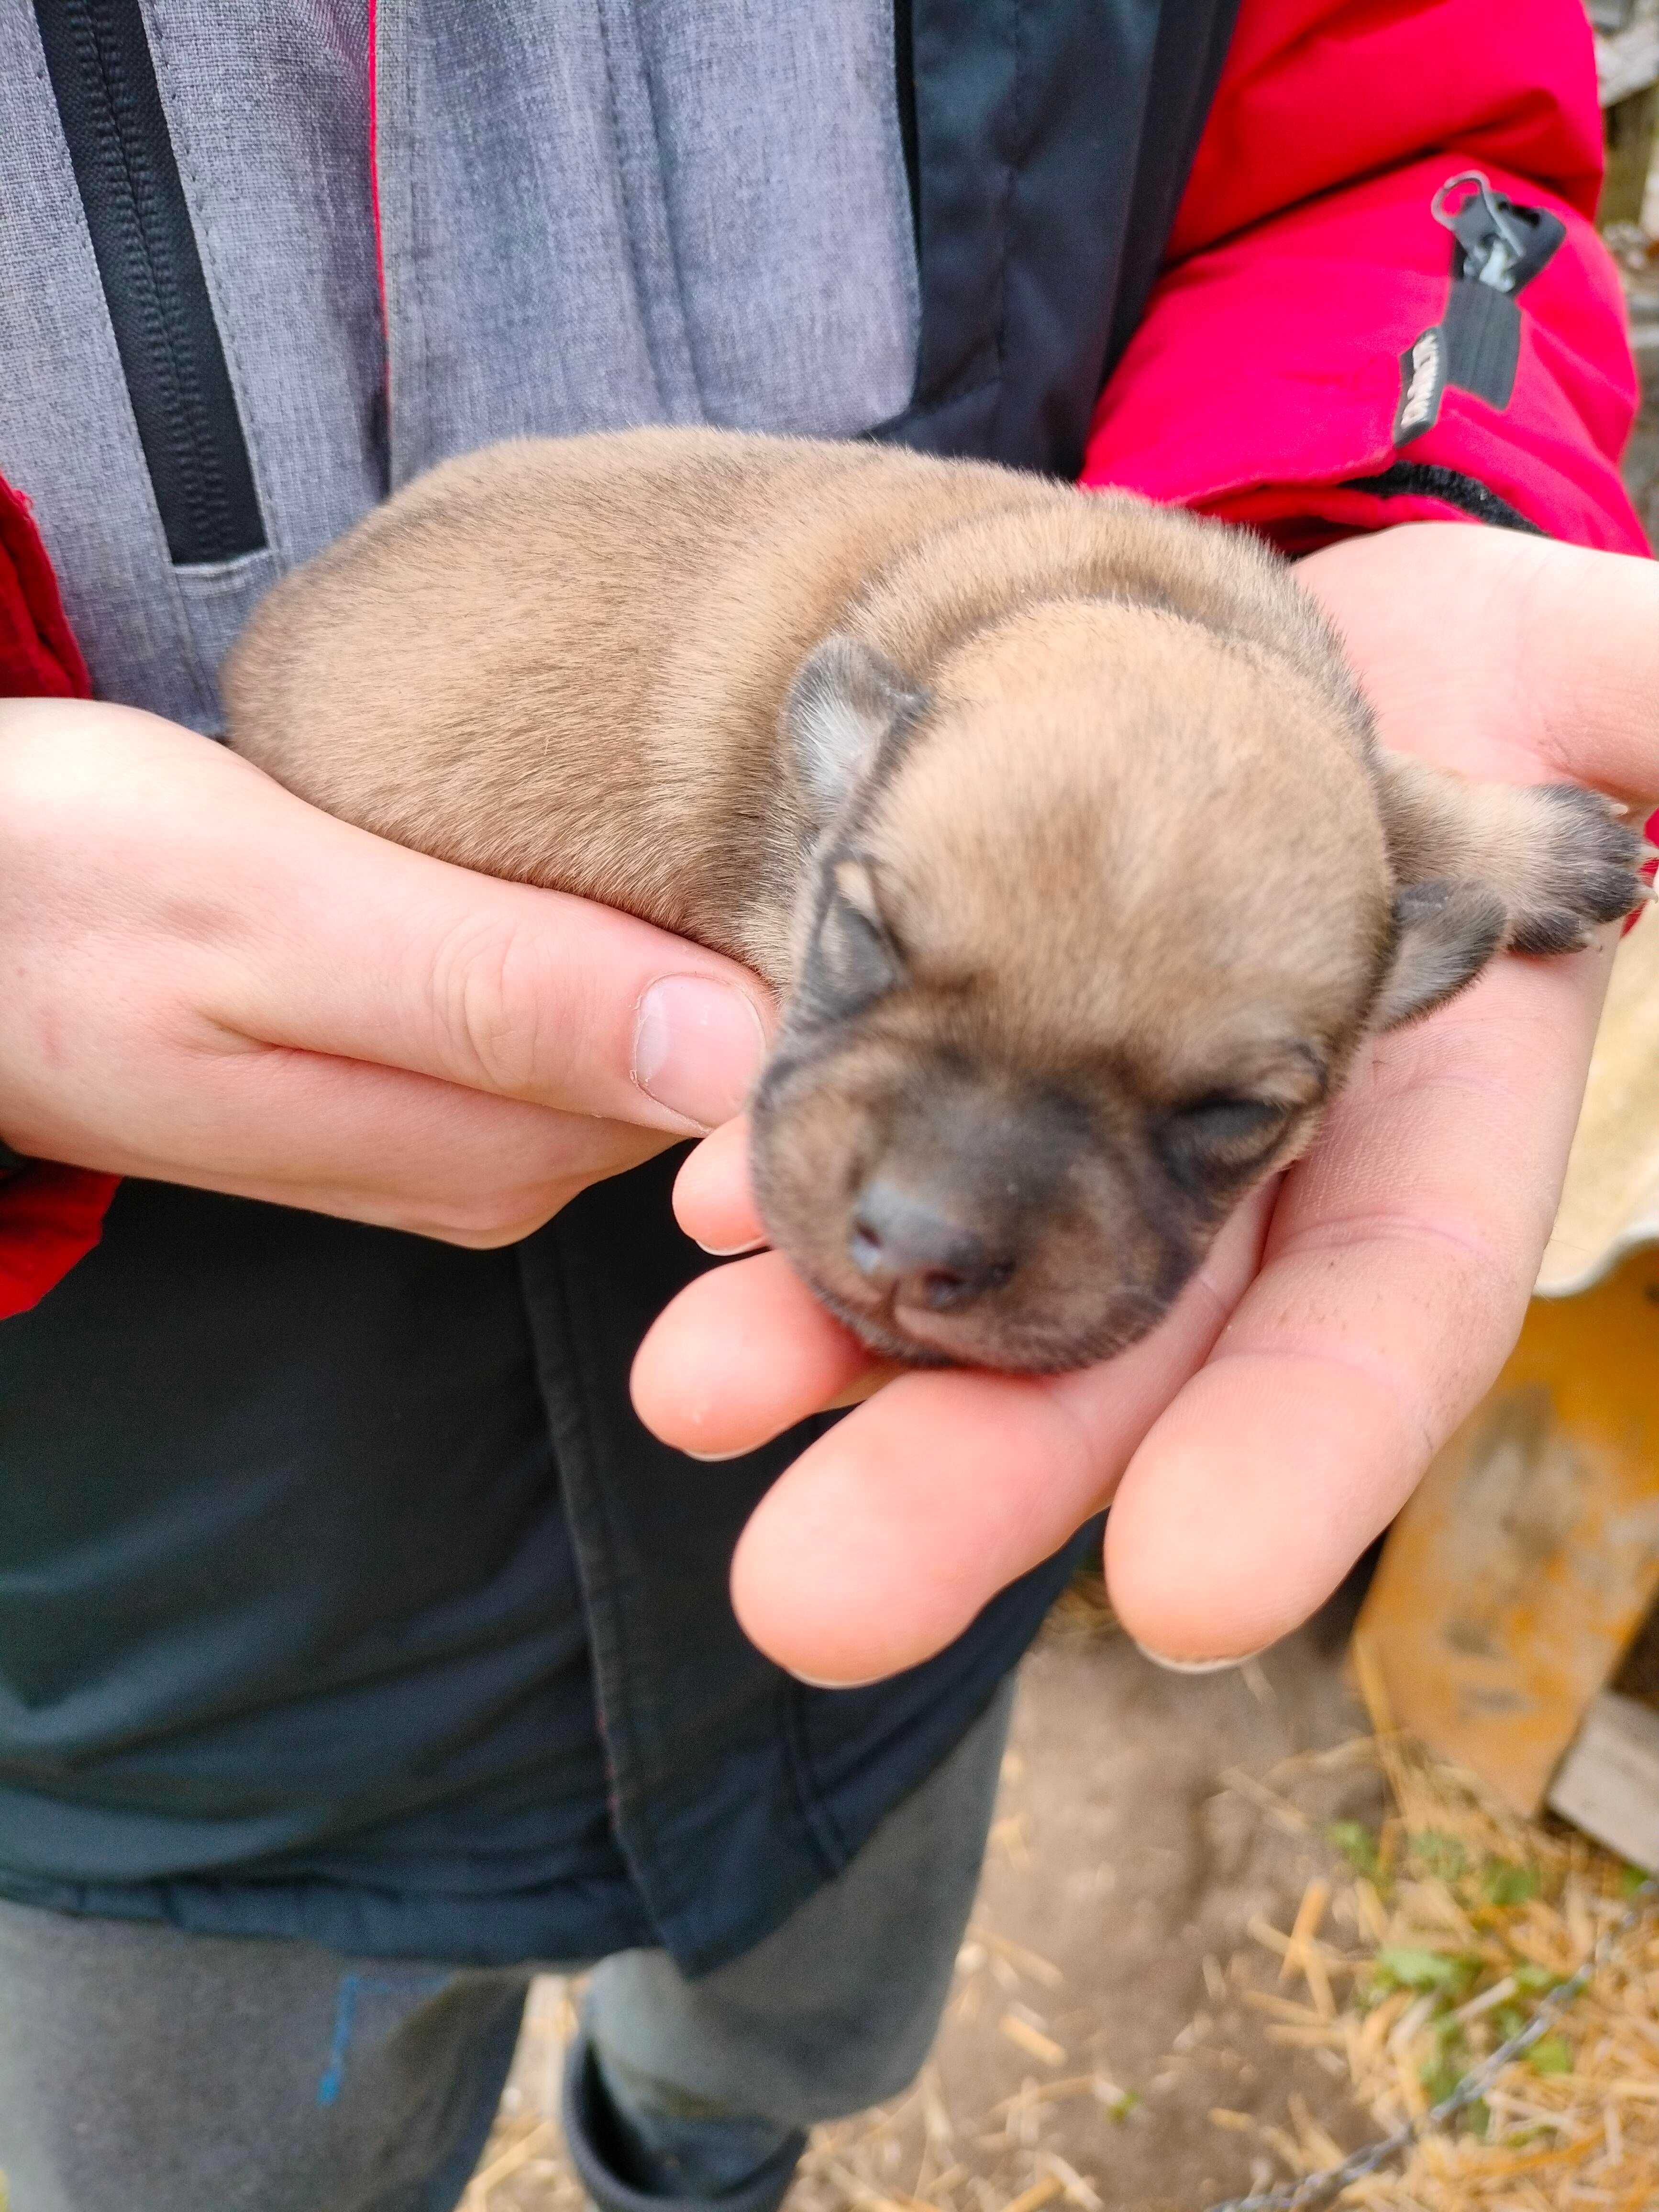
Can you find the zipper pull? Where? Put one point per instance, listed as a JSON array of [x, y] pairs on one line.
[[1483, 223]]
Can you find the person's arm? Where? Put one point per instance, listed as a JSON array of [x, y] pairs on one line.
[[1306, 364]]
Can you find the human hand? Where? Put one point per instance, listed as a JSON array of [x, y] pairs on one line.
[[1344, 1322], [209, 982]]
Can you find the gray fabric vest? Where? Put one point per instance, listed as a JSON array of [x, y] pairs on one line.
[[594, 214]]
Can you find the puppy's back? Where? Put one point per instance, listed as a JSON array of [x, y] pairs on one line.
[[564, 661]]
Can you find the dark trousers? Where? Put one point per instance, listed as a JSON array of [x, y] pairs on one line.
[[146, 2070]]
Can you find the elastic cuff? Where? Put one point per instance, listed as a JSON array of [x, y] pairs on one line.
[[589, 2136], [1453, 487]]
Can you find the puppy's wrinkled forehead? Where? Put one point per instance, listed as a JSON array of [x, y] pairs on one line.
[[1117, 832]]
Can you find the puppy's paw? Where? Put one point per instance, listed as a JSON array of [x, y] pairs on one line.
[[1582, 868]]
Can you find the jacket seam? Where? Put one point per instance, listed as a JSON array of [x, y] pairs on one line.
[[626, 185], [637, 1813], [823, 1830]]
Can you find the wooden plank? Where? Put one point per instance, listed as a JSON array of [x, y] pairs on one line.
[[1627, 63], [1630, 124], [1514, 1580], [1608, 1782]]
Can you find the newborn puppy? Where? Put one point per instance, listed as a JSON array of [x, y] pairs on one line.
[[1055, 818]]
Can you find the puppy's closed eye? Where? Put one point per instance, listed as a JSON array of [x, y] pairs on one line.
[[1220, 1138], [858, 956]]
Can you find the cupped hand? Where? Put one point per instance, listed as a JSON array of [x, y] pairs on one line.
[[1346, 1322], [207, 980]]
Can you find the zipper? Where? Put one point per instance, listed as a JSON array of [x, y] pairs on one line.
[[1497, 247], [1499, 243], [103, 80]]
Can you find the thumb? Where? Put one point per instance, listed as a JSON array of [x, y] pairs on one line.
[[1543, 657], [1591, 658], [323, 938], [506, 988]]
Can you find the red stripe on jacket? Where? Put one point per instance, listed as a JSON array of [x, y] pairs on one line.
[[49, 1216]]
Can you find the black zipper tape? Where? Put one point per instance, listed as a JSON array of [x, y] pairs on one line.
[[1483, 342], [104, 82]]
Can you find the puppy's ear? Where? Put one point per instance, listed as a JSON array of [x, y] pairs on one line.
[[1444, 934], [844, 702]]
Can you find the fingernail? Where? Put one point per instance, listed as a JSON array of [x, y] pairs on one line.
[[1196, 1666], [730, 1251], [697, 1048], [864, 1682], [716, 1459]]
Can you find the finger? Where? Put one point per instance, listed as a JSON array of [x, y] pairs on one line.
[[886, 1539], [503, 987], [369, 1143], [739, 1356], [1576, 691], [1397, 1271], [1591, 659], [714, 1201], [864, 1385]]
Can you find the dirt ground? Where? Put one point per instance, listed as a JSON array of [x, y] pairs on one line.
[[1145, 1827]]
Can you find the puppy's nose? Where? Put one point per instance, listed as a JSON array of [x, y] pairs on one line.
[[913, 1245]]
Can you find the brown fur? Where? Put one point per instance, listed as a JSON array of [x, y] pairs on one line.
[[1055, 816]]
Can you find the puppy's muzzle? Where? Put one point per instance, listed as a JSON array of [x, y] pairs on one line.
[[958, 1201], [986, 1221], [921, 1248]]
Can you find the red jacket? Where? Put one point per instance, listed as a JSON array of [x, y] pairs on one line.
[[1296, 320]]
